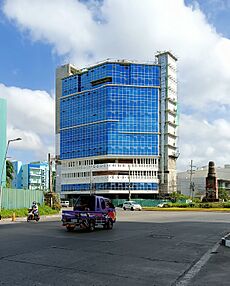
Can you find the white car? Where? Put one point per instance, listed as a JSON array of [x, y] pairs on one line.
[[163, 205], [131, 205], [65, 204]]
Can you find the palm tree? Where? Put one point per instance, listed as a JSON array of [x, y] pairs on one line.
[[9, 173]]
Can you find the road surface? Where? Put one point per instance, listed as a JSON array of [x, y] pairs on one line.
[[144, 248]]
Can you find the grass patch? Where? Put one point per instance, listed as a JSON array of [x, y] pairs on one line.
[[43, 210], [194, 206], [187, 209]]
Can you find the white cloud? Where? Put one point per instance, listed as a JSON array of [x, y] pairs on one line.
[[30, 140], [67, 26], [204, 141], [33, 109], [30, 115], [135, 29]]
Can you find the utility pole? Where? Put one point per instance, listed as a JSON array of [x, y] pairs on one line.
[[191, 171], [50, 173], [91, 182], [129, 185]]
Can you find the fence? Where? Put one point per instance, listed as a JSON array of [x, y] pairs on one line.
[[19, 198], [142, 202]]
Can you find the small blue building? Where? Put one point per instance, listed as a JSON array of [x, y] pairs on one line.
[[32, 176]]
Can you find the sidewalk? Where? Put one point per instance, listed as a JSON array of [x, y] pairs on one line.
[[216, 270], [24, 219]]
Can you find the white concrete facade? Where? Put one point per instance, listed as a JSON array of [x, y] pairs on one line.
[[168, 122], [61, 72], [86, 171]]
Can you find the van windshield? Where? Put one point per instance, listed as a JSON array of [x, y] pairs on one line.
[[85, 203]]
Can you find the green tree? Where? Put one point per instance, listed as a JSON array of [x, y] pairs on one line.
[[177, 196], [9, 173], [223, 195]]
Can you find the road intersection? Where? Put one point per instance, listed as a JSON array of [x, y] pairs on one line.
[[155, 248]]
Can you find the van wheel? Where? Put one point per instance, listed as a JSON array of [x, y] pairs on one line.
[[70, 228], [132, 209], [91, 226], [124, 208]]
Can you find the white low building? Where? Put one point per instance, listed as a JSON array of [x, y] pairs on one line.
[[195, 186]]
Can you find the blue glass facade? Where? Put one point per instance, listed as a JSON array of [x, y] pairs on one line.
[[116, 118], [110, 109], [110, 186], [114, 73]]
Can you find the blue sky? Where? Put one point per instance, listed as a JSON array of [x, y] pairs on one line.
[[33, 44], [32, 65], [24, 63], [217, 13]]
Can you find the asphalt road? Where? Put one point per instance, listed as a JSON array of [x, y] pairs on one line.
[[144, 248]]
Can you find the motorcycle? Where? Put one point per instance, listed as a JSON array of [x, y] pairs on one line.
[[32, 215]]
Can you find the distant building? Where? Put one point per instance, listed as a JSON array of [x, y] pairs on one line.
[[16, 183], [116, 125], [199, 181], [2, 140], [32, 176]]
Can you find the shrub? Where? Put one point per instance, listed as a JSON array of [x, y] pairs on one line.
[[178, 205], [196, 200], [53, 200], [183, 205], [205, 205], [43, 210], [210, 205], [175, 196], [226, 205], [46, 210], [223, 195]]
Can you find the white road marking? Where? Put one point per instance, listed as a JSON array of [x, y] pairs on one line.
[[197, 267]]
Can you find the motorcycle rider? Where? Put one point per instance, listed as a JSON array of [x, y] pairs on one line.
[[34, 208]]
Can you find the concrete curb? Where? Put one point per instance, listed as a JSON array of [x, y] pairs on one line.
[[226, 240]]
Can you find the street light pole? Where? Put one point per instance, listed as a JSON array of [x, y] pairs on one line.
[[3, 166]]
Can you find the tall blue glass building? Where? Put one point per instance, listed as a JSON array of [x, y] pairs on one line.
[[109, 128]]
